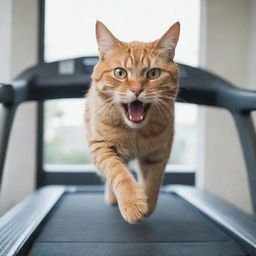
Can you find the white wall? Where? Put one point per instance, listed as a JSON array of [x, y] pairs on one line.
[[228, 46], [20, 42], [5, 41], [251, 64]]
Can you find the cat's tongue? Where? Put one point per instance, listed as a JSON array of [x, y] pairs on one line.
[[135, 111]]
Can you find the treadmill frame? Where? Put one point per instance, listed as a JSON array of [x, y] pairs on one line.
[[44, 82], [19, 227]]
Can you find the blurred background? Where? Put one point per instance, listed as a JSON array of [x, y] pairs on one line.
[[218, 35]]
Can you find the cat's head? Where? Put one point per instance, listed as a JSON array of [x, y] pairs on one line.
[[138, 79]]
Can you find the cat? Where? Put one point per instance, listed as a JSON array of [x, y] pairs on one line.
[[130, 115]]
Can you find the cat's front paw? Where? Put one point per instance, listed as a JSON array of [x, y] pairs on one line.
[[133, 204]]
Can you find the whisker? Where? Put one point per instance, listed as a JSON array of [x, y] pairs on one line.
[[162, 103], [159, 110], [105, 103], [165, 97]]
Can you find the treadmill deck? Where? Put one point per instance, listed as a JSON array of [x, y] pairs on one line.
[[83, 224]]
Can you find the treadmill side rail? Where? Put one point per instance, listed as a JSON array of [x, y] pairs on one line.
[[18, 224], [239, 224]]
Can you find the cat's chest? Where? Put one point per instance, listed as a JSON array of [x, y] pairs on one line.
[[135, 145]]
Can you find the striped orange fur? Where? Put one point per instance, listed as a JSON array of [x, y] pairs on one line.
[[130, 115]]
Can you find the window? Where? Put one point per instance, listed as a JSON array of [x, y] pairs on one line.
[[69, 33]]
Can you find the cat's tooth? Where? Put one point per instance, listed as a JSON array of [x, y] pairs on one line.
[[130, 116], [141, 117]]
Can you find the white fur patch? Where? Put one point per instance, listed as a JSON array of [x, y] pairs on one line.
[[130, 97]]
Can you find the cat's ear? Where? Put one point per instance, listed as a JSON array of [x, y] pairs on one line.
[[107, 42], [167, 43]]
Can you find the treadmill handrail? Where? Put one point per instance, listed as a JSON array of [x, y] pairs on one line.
[[47, 81], [6, 94], [71, 79]]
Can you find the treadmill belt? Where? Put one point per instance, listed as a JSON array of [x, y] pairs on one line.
[[83, 224]]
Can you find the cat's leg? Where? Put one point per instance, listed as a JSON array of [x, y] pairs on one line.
[[150, 175], [129, 194], [109, 195]]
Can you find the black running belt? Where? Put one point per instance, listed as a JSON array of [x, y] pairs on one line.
[[83, 224]]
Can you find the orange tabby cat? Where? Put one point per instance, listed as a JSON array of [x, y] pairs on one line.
[[130, 114]]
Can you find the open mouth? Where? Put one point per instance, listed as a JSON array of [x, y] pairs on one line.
[[136, 111]]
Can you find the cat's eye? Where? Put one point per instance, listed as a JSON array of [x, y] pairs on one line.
[[153, 73], [120, 73]]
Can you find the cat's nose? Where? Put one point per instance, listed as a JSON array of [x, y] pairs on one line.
[[137, 91]]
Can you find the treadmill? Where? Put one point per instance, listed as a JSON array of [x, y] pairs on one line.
[[68, 216]]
